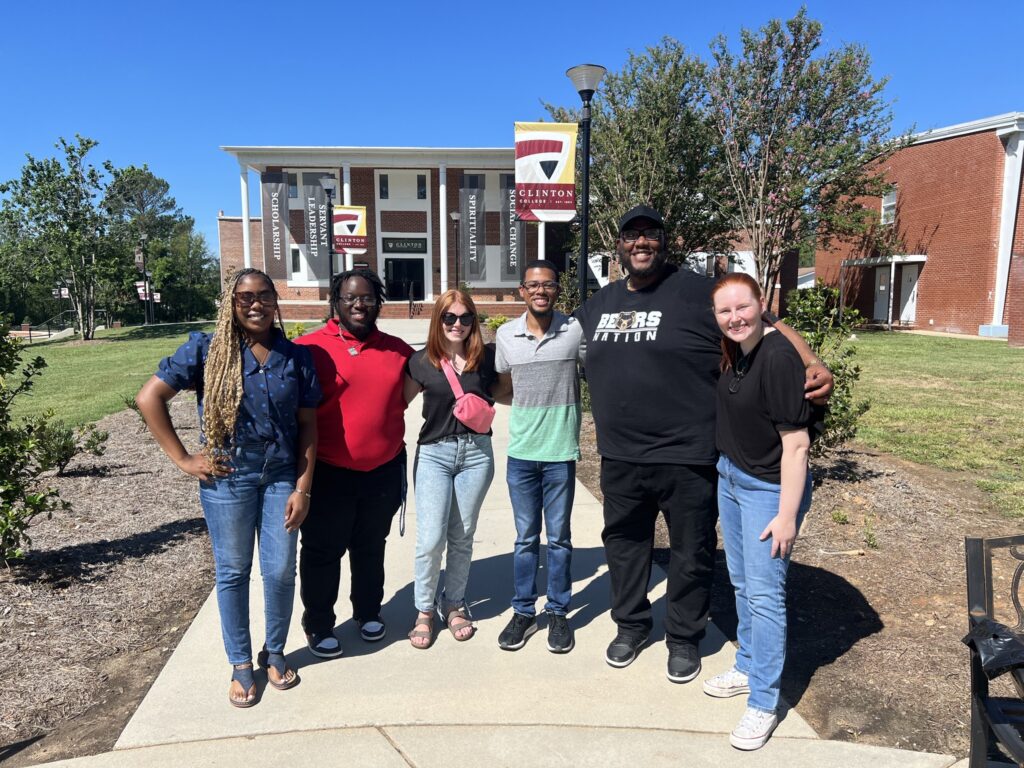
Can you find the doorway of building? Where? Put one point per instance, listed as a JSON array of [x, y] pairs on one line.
[[403, 278], [881, 311], [908, 293]]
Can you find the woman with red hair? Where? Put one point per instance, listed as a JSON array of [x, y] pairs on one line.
[[454, 464]]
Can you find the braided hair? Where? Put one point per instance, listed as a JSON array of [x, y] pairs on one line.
[[339, 280], [222, 372]]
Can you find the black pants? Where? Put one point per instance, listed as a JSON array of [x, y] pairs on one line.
[[686, 494], [350, 512]]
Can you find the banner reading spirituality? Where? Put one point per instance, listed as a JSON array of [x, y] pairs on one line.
[[350, 229], [471, 229], [317, 231], [275, 218], [546, 171]]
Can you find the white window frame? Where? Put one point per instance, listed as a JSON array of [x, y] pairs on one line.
[[889, 207]]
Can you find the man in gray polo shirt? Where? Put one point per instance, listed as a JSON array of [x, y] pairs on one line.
[[539, 352]]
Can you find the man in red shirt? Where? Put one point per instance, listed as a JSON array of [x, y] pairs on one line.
[[359, 481]]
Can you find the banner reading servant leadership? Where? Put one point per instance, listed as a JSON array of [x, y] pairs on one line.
[[546, 171], [317, 230]]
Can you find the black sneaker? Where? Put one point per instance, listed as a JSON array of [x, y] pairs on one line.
[[517, 631], [560, 638], [683, 663], [623, 649], [324, 646], [373, 630]]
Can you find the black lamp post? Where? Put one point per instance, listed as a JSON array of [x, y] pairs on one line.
[[146, 287], [330, 184], [585, 78]]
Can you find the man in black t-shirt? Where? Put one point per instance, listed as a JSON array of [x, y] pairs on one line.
[[652, 363]]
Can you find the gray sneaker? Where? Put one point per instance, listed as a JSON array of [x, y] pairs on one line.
[[517, 632], [560, 637], [753, 730]]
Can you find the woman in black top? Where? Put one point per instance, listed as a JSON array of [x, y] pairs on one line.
[[454, 464], [764, 489]]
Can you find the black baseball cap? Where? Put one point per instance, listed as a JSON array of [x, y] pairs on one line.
[[640, 212]]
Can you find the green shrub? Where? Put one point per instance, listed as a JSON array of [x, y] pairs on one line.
[[133, 404], [296, 330], [22, 498], [57, 444], [814, 312], [494, 323]]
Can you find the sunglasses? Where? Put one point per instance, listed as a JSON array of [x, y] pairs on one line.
[[450, 318], [248, 298]]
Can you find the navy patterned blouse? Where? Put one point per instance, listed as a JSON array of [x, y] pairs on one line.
[[272, 393]]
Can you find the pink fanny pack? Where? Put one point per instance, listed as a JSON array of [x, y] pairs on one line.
[[472, 410]]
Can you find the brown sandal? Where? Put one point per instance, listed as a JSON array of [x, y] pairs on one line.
[[459, 613], [417, 634]]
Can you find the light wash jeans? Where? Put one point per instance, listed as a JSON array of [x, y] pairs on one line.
[[746, 505], [542, 490], [451, 479], [247, 504]]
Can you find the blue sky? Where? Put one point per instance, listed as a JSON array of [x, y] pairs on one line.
[[168, 83]]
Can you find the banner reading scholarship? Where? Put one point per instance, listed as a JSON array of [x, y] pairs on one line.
[[546, 171], [275, 217]]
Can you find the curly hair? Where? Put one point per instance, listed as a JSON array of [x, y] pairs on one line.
[[339, 280], [222, 372], [435, 336]]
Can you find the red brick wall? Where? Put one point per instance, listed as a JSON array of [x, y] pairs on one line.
[[1016, 252], [948, 200], [232, 254], [403, 221], [1015, 301]]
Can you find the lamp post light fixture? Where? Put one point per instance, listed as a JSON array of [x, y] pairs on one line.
[[330, 185], [585, 79], [457, 218]]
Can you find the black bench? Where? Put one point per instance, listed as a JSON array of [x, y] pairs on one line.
[[997, 648]]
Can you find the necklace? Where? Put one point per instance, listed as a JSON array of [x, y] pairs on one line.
[[738, 372]]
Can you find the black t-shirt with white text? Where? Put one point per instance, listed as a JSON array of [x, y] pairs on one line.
[[652, 361], [753, 406]]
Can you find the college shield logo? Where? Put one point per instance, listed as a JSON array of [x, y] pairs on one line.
[[349, 227]]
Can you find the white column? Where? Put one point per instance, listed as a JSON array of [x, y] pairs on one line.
[[892, 282], [541, 240], [243, 175], [442, 209], [1012, 167], [346, 199]]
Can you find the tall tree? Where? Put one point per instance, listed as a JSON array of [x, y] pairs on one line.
[[141, 201], [54, 216], [652, 143], [186, 274], [798, 133]]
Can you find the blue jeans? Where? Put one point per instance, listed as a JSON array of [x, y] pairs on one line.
[[247, 504], [539, 488], [746, 505], [451, 479]]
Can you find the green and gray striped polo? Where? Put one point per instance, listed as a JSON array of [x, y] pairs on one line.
[[545, 421]]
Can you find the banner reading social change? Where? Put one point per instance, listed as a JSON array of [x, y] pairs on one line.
[[511, 230], [315, 220], [472, 233], [546, 171], [350, 229], [275, 221]]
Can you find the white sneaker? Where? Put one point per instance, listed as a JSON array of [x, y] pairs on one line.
[[754, 729], [730, 683]]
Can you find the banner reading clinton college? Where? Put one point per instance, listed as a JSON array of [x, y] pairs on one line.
[[275, 219], [546, 171], [350, 229]]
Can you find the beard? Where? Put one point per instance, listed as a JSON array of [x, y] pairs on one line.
[[657, 262]]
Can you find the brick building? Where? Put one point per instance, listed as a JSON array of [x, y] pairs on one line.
[[948, 254], [414, 221]]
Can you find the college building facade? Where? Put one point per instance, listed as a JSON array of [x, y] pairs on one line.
[[420, 236], [948, 252]]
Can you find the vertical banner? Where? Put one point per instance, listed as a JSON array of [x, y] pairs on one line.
[[546, 171], [274, 187], [350, 229], [511, 231], [315, 220], [471, 233]]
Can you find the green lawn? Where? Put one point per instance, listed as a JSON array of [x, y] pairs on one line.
[[956, 404], [84, 382]]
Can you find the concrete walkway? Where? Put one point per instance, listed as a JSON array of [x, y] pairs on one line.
[[464, 704]]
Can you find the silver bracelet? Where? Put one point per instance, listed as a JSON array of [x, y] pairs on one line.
[[307, 494]]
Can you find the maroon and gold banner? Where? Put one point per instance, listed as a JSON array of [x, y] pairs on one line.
[[349, 224], [546, 171]]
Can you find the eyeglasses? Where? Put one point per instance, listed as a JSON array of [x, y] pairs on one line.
[[632, 235], [248, 298], [450, 318], [366, 300], [533, 286]]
